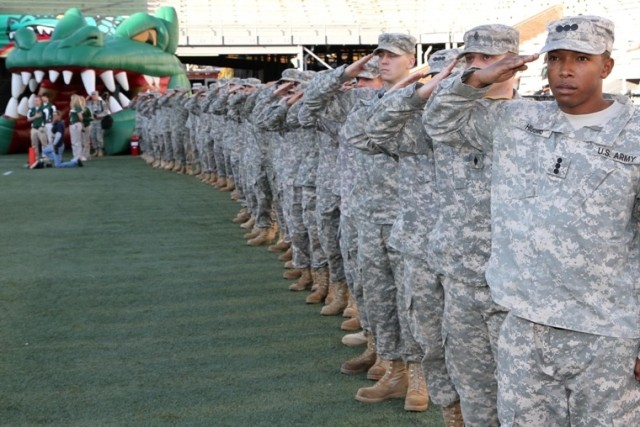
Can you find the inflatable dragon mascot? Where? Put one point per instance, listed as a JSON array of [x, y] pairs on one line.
[[79, 58]]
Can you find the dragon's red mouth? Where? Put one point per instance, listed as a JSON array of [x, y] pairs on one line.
[[62, 82]]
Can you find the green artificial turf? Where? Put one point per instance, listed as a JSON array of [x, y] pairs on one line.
[[128, 298]]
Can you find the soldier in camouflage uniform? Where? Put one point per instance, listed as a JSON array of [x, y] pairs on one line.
[[395, 129], [328, 97], [460, 242], [269, 117], [178, 119], [565, 254], [224, 133], [375, 201], [164, 121]]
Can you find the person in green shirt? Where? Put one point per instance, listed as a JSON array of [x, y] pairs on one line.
[[76, 117], [36, 117]]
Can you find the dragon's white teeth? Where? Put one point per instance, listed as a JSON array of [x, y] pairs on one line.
[[33, 85], [26, 76], [17, 87], [113, 105], [156, 81], [23, 106], [39, 75], [148, 79], [53, 75], [67, 76], [89, 81], [12, 108], [121, 78], [124, 101], [107, 79], [32, 100]]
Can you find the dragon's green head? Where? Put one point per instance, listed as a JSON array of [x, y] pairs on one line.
[[79, 59]]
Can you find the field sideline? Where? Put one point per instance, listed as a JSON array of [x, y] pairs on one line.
[[128, 298]]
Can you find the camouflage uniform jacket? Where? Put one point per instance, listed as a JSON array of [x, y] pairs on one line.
[[324, 98], [302, 150], [460, 243], [395, 128], [565, 213]]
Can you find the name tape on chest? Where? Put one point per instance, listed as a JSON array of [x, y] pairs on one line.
[[617, 156]]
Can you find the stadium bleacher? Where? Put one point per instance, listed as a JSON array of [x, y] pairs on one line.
[[273, 23]]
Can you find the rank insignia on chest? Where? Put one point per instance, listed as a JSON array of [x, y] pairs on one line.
[[558, 167]]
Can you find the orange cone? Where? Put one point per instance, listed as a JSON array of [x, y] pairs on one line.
[[32, 155]]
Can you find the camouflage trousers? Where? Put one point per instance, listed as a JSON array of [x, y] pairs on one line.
[[177, 141], [309, 199], [380, 269], [167, 147], [424, 297], [190, 147], [328, 220], [275, 193], [218, 156], [264, 199], [348, 235], [299, 234], [470, 328], [556, 377], [228, 163]]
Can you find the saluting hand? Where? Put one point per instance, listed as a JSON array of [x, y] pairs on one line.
[[294, 97], [411, 78], [501, 71], [356, 68], [427, 89], [283, 88]]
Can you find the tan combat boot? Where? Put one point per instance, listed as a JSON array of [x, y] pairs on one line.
[[252, 234], [242, 216], [156, 163], [417, 399], [249, 223], [356, 339], [220, 183], [339, 302], [292, 274], [196, 169], [169, 165], [352, 308], [352, 324], [452, 415], [304, 282], [287, 256], [177, 167], [265, 237], [321, 279], [234, 195], [213, 178], [393, 385], [363, 362], [281, 245], [378, 369], [331, 294], [230, 185]]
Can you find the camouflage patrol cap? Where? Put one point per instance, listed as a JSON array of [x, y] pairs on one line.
[[398, 43], [492, 39], [307, 75], [236, 81], [371, 69], [291, 75], [440, 59], [252, 82], [587, 34]]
